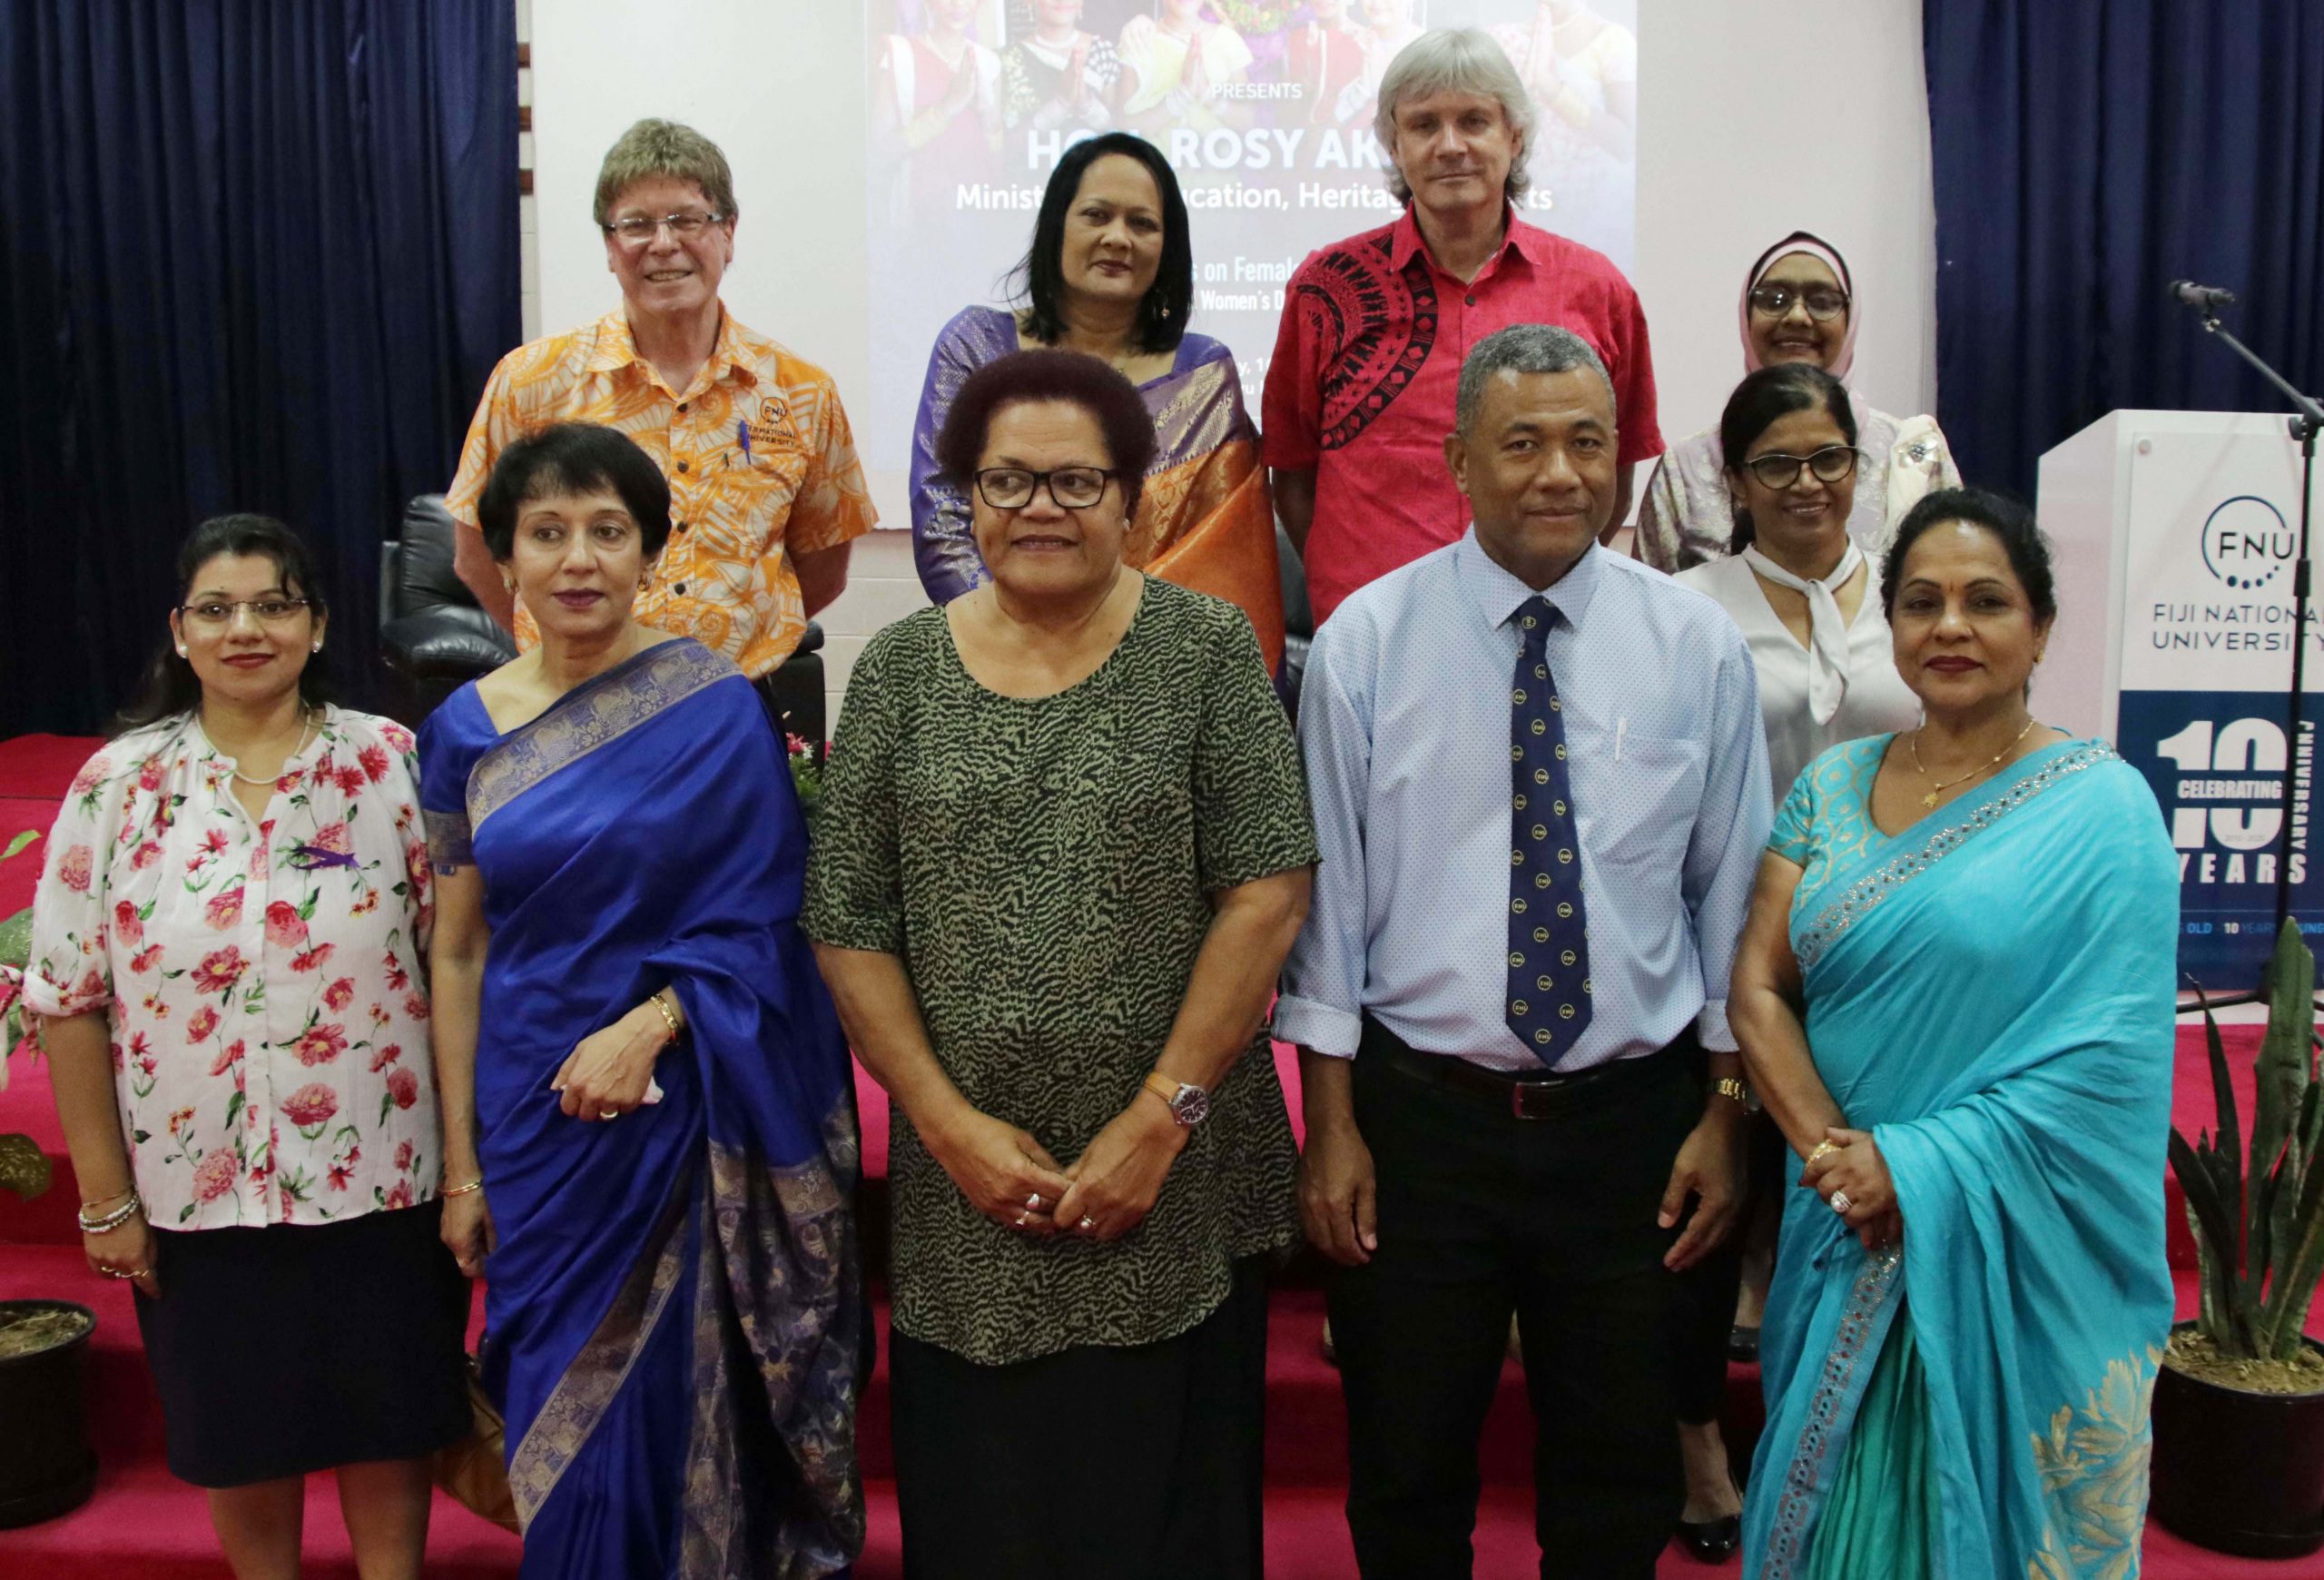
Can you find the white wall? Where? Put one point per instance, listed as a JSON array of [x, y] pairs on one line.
[[1758, 117]]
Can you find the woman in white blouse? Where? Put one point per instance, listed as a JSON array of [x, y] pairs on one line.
[[1799, 305], [1807, 600], [227, 943]]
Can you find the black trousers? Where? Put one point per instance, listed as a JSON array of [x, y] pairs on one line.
[[1482, 1214], [1141, 1462], [1704, 1311]]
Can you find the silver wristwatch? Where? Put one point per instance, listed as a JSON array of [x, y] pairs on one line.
[[1189, 1103]]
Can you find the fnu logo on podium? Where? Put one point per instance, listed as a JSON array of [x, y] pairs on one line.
[[2248, 544], [2247, 548]]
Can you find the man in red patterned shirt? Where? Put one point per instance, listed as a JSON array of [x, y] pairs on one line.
[[1359, 397]]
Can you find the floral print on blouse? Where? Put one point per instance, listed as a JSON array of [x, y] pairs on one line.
[[262, 975]]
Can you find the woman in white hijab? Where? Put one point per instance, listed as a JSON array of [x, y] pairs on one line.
[[1798, 306], [1806, 598]]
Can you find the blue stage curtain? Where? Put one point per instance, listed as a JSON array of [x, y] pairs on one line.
[[258, 256], [2087, 153]]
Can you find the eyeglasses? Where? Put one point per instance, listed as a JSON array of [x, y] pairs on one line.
[[1823, 302], [218, 616], [685, 225], [1071, 487], [1830, 464]]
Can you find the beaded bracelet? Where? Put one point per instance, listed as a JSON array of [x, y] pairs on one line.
[[115, 1219]]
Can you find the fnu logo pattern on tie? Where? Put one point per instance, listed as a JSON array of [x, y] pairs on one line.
[[1548, 948]]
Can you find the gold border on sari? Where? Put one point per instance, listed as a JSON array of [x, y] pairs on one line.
[[583, 1395], [592, 715]]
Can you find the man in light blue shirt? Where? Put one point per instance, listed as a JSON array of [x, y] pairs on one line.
[[1541, 787]]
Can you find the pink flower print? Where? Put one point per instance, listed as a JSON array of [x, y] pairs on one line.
[[320, 1045], [339, 994], [144, 959], [224, 910], [364, 906], [399, 738], [340, 1174], [149, 774], [179, 1121], [351, 780], [92, 775], [285, 928], [333, 837], [397, 979], [220, 970], [401, 1196], [74, 868], [414, 866], [403, 1156], [146, 855], [214, 840], [213, 1175], [90, 988], [355, 1154], [415, 1007], [146, 1064], [137, 1046], [374, 762], [403, 1086], [383, 1057], [311, 1106], [311, 959], [379, 1016], [200, 1024], [119, 1060], [157, 1006], [228, 1058], [290, 781], [128, 926]]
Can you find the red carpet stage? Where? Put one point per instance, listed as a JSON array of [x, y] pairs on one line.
[[144, 1524]]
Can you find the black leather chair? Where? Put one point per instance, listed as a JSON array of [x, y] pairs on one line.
[[434, 638]]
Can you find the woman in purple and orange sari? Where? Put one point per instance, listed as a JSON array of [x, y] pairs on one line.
[[650, 1140], [1111, 275]]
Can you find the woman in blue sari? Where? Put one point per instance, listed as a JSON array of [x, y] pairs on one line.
[[1955, 996], [649, 1120]]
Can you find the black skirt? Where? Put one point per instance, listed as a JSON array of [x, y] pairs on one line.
[[297, 1347], [1141, 1462]]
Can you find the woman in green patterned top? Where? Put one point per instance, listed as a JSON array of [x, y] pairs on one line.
[[1064, 847]]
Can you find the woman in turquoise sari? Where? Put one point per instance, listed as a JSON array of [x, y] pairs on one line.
[[1955, 996], [650, 1141]]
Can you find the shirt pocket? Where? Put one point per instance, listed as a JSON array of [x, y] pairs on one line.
[[1638, 799]]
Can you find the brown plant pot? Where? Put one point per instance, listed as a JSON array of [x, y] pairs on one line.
[[46, 1466], [2239, 1472]]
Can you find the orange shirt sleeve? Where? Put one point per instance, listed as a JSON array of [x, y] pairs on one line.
[[490, 431], [832, 504]]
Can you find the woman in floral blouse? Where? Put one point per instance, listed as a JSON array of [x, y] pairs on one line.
[[226, 946]]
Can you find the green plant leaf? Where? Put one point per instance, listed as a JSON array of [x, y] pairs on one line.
[[2285, 1315], [2230, 1127], [19, 842], [23, 1167], [2213, 1221]]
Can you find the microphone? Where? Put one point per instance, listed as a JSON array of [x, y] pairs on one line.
[[2202, 298]]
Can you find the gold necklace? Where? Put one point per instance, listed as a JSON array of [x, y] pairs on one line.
[[1928, 802], [306, 734]]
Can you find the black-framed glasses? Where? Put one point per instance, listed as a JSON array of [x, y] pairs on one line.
[[685, 225], [217, 613], [1828, 465], [1072, 487], [1823, 302]]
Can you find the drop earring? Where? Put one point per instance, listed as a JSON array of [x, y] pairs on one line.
[[316, 648], [180, 652]]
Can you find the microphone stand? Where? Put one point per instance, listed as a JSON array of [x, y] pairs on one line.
[[2304, 428]]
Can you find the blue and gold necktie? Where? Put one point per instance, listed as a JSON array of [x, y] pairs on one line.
[[1548, 952]]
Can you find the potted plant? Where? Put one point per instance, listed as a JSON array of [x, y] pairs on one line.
[[46, 1471], [2239, 1404]]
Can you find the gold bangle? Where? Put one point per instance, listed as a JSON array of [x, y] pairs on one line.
[[475, 1184], [669, 1016], [1729, 1086], [93, 1204], [1822, 1147]]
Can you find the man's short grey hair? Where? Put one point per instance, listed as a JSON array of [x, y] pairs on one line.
[[1454, 60], [1521, 348]]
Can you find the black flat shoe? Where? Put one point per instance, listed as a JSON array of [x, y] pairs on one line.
[[1743, 1344], [1712, 1541]]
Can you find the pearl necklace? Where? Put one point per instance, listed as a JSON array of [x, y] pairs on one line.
[[305, 735]]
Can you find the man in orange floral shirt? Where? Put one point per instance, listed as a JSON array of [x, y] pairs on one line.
[[765, 491]]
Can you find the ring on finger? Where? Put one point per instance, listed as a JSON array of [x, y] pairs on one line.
[[1033, 1202], [1087, 1224], [1021, 1221], [1841, 1204]]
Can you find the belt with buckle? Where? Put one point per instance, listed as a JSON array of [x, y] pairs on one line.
[[1523, 1096]]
